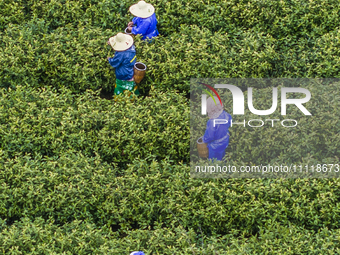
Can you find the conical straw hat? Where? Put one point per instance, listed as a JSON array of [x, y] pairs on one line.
[[214, 109], [121, 42], [142, 9]]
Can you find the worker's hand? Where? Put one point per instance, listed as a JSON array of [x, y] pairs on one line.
[[108, 58], [108, 42], [128, 29], [130, 24]]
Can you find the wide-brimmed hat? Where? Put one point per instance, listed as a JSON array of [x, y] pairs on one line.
[[121, 42], [142, 9], [214, 108]]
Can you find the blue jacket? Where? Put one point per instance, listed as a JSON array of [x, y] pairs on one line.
[[217, 137], [146, 27], [123, 62]]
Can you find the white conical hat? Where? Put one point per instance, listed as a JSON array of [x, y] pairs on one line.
[[121, 42], [142, 9], [214, 107]]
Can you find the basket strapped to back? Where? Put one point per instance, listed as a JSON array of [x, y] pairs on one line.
[[202, 148]]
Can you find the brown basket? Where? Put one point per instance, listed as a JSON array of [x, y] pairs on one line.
[[202, 148], [139, 71]]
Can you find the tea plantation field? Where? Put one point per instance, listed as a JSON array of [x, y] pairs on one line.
[[81, 174]]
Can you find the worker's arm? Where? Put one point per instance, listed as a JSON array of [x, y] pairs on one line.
[[141, 28], [116, 60], [134, 21]]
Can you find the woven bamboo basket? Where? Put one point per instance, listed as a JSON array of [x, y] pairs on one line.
[[139, 71], [202, 148]]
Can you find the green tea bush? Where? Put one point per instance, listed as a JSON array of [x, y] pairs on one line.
[[62, 155], [67, 57], [76, 58], [39, 236], [11, 13], [104, 14], [200, 53], [150, 194], [81, 175], [278, 18], [52, 123]]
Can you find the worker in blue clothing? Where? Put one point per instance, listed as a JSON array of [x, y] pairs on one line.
[[217, 132], [145, 20], [123, 62]]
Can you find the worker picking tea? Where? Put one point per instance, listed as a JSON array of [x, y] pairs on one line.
[[216, 134], [144, 22], [123, 62]]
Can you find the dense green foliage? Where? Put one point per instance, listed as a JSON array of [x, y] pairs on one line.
[[279, 18], [32, 55], [41, 237], [59, 162], [49, 124], [84, 175], [63, 43]]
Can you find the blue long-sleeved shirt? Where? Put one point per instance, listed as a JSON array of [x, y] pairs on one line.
[[123, 62], [216, 137], [146, 27]]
